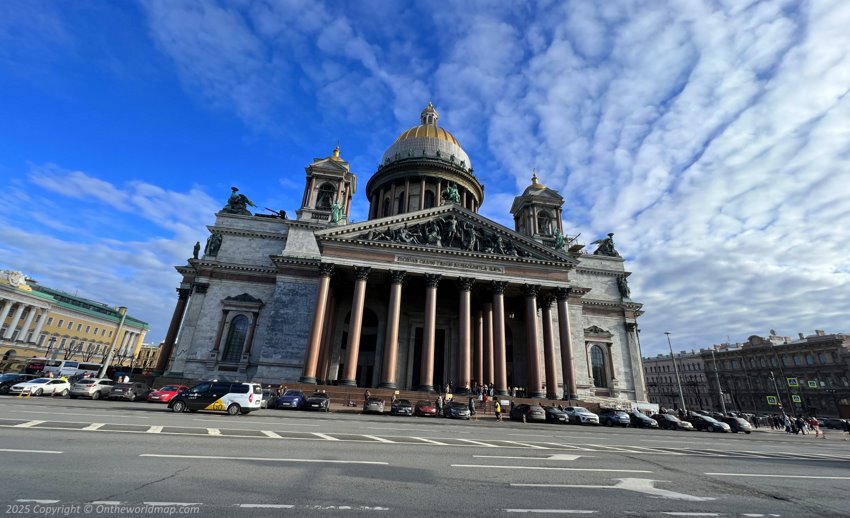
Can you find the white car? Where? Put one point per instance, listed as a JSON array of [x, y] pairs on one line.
[[581, 415], [42, 386]]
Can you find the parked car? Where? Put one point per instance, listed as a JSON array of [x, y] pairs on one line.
[[737, 424], [834, 423], [581, 415], [556, 415], [424, 408], [671, 422], [318, 401], [709, 424], [373, 405], [292, 398], [614, 418], [166, 393], [221, 396], [132, 391], [401, 407], [42, 387], [11, 378], [640, 420], [456, 410], [530, 412], [269, 398], [95, 388]]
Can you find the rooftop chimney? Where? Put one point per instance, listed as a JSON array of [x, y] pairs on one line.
[[819, 332], [801, 336]]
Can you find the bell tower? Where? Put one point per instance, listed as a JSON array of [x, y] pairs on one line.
[[538, 212], [328, 190]]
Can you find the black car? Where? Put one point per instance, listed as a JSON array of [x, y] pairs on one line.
[[708, 424], [456, 410], [614, 418], [671, 422], [737, 424], [318, 401], [530, 412], [9, 379], [556, 415], [641, 420], [130, 391], [834, 423], [401, 407]]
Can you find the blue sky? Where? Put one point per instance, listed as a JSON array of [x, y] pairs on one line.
[[711, 137]]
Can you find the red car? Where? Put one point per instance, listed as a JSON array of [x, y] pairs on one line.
[[425, 408], [164, 394]]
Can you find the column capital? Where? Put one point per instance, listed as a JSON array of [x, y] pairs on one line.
[[397, 276], [201, 287], [498, 287], [562, 293], [361, 273], [631, 327], [432, 280], [326, 269], [465, 283], [530, 290], [545, 301], [183, 293]]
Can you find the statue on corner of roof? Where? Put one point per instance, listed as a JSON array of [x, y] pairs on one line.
[[623, 286], [559, 240], [213, 244], [196, 249], [606, 246], [451, 194], [237, 203]]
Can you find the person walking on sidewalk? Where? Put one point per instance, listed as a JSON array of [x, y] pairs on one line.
[[498, 410], [472, 406]]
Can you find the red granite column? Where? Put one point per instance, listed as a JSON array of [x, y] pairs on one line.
[[355, 325], [173, 327], [535, 388], [549, 348], [479, 347], [488, 344], [426, 367], [311, 355], [500, 362], [465, 356], [391, 344], [564, 331]]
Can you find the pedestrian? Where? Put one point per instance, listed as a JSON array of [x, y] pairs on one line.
[[484, 399], [439, 404], [472, 406], [498, 410]]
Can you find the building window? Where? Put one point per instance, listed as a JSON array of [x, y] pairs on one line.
[[796, 359], [386, 207], [734, 364], [70, 324], [50, 321], [773, 362], [762, 362], [429, 199], [235, 339], [810, 360], [95, 330], [597, 362], [753, 363], [400, 203], [79, 327], [822, 358], [61, 323], [88, 328], [325, 197], [784, 360]]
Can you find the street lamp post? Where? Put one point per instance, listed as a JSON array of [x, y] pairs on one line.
[[676, 369], [779, 399], [717, 377], [50, 346], [123, 312]]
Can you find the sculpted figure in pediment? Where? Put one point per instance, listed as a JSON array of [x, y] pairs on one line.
[[450, 231]]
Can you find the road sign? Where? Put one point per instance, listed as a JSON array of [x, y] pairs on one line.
[[795, 398], [813, 384], [792, 382], [771, 400]]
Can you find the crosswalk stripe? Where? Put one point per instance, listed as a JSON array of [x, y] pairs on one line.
[[430, 441], [379, 439], [324, 436], [527, 445], [273, 435], [478, 443]]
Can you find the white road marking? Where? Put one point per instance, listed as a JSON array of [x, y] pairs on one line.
[[479, 466], [559, 456], [28, 424], [565, 456], [29, 451], [324, 436], [213, 431], [568, 446], [106, 502], [34, 501], [379, 439], [271, 434], [92, 427], [774, 476], [527, 445], [550, 511], [152, 429], [693, 514], [478, 443], [243, 421], [170, 504], [639, 485], [263, 459], [528, 435], [77, 414], [266, 506], [430, 441], [385, 428]]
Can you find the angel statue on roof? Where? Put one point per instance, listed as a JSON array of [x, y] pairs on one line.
[[606, 246], [237, 203]]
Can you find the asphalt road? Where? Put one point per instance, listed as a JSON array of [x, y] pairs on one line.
[[65, 457]]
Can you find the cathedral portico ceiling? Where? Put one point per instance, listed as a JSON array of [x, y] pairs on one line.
[[449, 229]]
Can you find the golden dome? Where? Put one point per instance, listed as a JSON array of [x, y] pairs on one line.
[[427, 140], [427, 130]]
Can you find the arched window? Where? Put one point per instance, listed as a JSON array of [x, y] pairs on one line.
[[597, 362], [386, 208], [544, 224], [325, 197], [429, 199], [235, 339], [400, 204]]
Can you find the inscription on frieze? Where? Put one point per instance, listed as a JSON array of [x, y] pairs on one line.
[[446, 263]]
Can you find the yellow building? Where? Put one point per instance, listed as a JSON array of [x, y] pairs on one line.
[[147, 357], [38, 321]]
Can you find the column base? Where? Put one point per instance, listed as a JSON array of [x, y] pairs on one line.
[[463, 391], [501, 392], [552, 396], [425, 388], [571, 396], [537, 394], [387, 386], [347, 383], [309, 380]]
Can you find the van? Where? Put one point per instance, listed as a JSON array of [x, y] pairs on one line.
[[220, 396]]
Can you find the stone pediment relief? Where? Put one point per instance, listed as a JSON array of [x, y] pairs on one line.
[[597, 332], [448, 228]]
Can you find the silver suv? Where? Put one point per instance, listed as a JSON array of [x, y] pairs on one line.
[[95, 388]]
